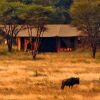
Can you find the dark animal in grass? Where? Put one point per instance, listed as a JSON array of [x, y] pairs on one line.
[[70, 82]]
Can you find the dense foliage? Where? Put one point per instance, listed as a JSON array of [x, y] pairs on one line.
[[86, 16], [60, 8]]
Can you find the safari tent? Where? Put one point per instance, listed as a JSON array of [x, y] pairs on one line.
[[56, 38]]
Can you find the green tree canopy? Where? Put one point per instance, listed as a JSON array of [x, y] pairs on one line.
[[10, 20], [60, 8], [86, 16]]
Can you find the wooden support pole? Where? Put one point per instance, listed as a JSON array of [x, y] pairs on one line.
[[19, 44], [25, 45]]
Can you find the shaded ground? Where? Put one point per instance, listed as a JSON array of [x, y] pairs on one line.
[[24, 79]]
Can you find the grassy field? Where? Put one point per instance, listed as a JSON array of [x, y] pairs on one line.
[[21, 78]]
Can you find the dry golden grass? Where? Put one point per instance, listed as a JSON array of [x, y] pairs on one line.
[[21, 78]]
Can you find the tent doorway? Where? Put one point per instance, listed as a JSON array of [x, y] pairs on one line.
[[47, 44]]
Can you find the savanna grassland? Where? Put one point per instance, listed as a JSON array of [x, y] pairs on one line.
[[22, 78]]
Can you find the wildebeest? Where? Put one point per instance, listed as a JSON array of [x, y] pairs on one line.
[[70, 82]]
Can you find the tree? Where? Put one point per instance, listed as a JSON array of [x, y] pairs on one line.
[[36, 17], [86, 16], [22, 1], [62, 9], [43, 2], [10, 21], [64, 3]]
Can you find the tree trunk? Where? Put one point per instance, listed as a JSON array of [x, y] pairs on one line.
[[9, 48], [9, 43], [34, 53], [36, 45], [93, 50]]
